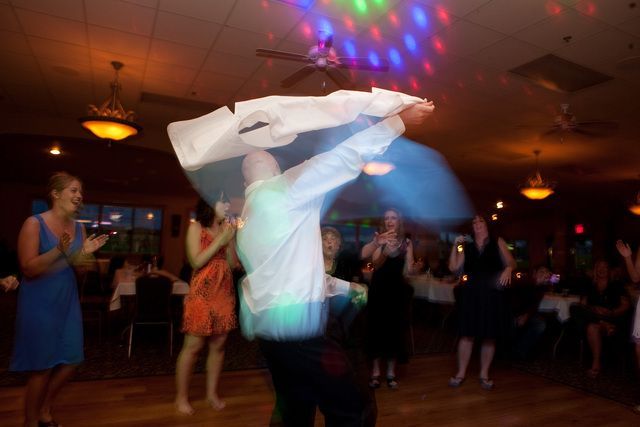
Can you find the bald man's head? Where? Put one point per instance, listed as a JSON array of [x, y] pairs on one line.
[[259, 165]]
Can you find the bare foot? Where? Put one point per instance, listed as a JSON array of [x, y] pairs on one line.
[[216, 403], [184, 408]]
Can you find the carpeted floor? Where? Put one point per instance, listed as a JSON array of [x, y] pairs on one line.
[[433, 331]]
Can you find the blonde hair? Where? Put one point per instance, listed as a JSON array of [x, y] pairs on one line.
[[58, 182]]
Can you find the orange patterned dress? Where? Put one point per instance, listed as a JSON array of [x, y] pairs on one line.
[[209, 308]]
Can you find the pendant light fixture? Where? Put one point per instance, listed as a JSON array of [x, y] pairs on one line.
[[110, 120], [536, 188]]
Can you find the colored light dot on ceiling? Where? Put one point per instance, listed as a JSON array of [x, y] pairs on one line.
[[443, 15], [348, 22], [374, 59], [438, 45], [553, 8], [504, 80], [479, 77], [326, 27], [306, 30], [428, 67], [419, 17], [410, 42], [393, 18], [375, 33], [414, 83], [394, 87], [270, 36], [373, 83], [265, 4], [394, 56], [349, 48], [360, 5]]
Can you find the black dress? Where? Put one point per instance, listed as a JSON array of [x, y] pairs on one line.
[[483, 307], [388, 310]]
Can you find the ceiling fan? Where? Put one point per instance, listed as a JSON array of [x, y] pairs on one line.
[[323, 57], [566, 122]]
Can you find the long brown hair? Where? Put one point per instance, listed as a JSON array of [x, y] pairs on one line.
[[400, 227]]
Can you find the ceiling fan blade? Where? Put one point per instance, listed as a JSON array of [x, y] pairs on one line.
[[362, 64], [298, 75], [340, 79], [279, 54], [600, 125], [550, 132]]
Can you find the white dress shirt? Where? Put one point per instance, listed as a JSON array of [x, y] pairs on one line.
[[283, 295]]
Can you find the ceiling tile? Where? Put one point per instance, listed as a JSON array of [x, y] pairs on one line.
[[57, 70], [632, 26], [8, 20], [147, 3], [415, 20], [14, 42], [231, 64], [189, 31], [50, 27], [213, 11], [307, 30], [275, 19], [243, 43], [170, 73], [455, 7], [20, 69], [363, 14], [174, 53], [464, 38], [164, 87], [109, 40], [609, 46], [507, 53], [611, 12], [32, 97], [51, 49], [103, 70], [208, 81], [70, 9], [509, 16], [122, 16], [550, 34]]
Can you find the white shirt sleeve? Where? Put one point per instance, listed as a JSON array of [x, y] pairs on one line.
[[327, 171], [335, 286]]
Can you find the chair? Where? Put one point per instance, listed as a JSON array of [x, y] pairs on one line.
[[152, 305]]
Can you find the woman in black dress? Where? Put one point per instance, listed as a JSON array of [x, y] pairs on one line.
[[388, 313], [482, 304]]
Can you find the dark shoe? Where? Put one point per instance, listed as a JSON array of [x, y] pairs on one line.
[[486, 383], [392, 383], [374, 381], [51, 423], [456, 381]]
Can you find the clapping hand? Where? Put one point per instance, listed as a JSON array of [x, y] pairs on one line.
[[227, 230], [385, 238], [93, 243], [9, 283], [64, 242]]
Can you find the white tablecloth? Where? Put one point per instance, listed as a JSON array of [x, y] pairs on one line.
[[432, 289], [436, 291], [558, 303], [129, 288]]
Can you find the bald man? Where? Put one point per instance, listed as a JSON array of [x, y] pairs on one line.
[[283, 298]]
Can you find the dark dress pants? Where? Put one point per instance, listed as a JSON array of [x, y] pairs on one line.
[[310, 373]]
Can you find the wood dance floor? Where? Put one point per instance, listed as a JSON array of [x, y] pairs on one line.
[[424, 399]]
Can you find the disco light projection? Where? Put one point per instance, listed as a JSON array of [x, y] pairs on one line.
[[361, 6], [443, 15], [349, 48], [374, 59], [410, 42], [325, 27], [419, 17], [394, 57]]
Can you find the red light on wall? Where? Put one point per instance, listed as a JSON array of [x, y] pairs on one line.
[[579, 228]]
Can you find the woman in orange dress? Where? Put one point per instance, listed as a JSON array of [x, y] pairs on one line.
[[209, 309]]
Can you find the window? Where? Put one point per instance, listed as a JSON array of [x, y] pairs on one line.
[[131, 229]]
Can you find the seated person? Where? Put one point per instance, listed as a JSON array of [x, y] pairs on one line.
[[525, 300], [156, 268], [603, 311]]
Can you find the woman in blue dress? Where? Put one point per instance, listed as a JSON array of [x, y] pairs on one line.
[[49, 341]]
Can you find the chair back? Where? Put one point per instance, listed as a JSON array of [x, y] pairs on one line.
[[153, 299], [91, 284]]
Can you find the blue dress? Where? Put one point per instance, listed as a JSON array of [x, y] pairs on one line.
[[48, 319]]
